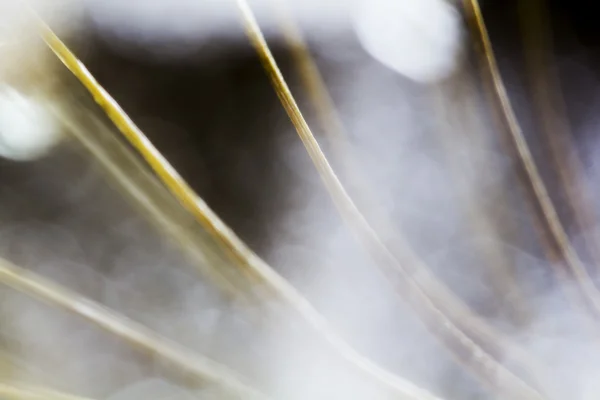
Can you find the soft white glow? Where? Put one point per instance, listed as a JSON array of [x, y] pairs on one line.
[[189, 22], [27, 129], [421, 39]]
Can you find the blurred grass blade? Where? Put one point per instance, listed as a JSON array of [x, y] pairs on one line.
[[23, 392], [152, 198], [470, 354], [179, 358], [235, 248]]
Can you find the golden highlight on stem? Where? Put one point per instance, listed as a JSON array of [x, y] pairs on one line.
[[152, 199], [235, 248], [312, 80], [467, 351], [333, 127], [313, 83]]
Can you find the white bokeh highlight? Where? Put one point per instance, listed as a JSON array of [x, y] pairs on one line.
[[420, 39], [28, 130]]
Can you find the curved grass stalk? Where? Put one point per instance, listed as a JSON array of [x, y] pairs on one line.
[[154, 201], [313, 82], [402, 275], [179, 358], [333, 127], [545, 89], [26, 392], [235, 248], [553, 229]]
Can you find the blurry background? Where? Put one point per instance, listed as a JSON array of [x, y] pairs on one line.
[[437, 165]]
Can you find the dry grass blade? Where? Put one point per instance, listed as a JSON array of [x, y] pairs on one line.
[[551, 221], [22, 392], [550, 107], [312, 81], [333, 127], [234, 247], [154, 201], [168, 175], [465, 349], [178, 357]]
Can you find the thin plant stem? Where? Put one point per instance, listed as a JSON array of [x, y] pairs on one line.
[[333, 127], [552, 226], [178, 357], [484, 365], [234, 247]]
